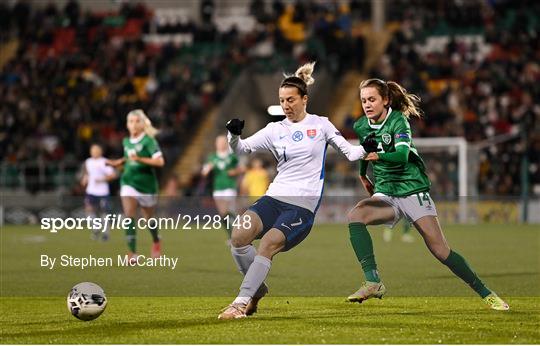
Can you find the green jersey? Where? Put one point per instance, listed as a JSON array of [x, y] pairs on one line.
[[393, 178], [138, 175], [221, 166]]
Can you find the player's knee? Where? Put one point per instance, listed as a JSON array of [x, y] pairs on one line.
[[440, 252], [269, 249], [240, 237], [130, 214], [271, 244], [358, 214], [237, 240]]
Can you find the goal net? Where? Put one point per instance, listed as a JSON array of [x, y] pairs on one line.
[[452, 172]]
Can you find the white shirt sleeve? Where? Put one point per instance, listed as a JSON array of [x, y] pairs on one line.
[[336, 140], [109, 170], [261, 139]]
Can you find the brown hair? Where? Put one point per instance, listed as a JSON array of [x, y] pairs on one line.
[[398, 97], [301, 78]]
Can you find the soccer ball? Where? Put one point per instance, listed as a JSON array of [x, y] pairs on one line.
[[86, 301]]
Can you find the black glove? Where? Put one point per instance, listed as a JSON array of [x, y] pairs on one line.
[[235, 126], [370, 143]]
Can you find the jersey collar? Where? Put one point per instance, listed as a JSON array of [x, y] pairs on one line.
[[223, 155], [137, 139], [378, 126], [288, 122]]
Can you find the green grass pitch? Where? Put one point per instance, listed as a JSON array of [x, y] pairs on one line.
[[424, 304]]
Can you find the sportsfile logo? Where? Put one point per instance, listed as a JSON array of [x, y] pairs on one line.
[[55, 224], [119, 222]]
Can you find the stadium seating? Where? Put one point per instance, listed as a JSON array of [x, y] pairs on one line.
[[475, 80], [74, 76]]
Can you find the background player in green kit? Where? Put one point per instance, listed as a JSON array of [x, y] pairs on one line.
[[224, 166], [139, 184], [401, 188], [406, 236]]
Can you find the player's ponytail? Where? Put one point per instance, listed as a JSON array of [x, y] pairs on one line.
[[149, 129], [305, 71], [301, 78], [406, 103], [399, 98]]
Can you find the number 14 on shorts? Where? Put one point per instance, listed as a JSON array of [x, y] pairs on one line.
[[423, 198]]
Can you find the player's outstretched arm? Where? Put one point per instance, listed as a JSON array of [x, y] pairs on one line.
[[84, 177], [401, 155], [336, 140], [111, 177], [367, 184], [157, 161], [116, 162], [364, 179], [207, 168], [260, 140]]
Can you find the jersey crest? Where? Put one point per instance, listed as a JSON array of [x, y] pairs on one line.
[[297, 136], [312, 133], [386, 138]]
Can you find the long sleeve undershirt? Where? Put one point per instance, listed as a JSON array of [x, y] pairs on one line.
[[401, 155]]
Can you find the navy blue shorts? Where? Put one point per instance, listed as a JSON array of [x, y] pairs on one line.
[[295, 222], [98, 203]]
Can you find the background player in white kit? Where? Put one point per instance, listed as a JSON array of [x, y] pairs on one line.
[[283, 217], [96, 177]]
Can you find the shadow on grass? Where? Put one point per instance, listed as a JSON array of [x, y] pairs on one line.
[[490, 275], [110, 328]]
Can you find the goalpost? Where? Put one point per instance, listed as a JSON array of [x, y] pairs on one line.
[[454, 146], [430, 144], [450, 166]]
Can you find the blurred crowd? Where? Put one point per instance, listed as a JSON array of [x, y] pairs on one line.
[[76, 74], [475, 66]]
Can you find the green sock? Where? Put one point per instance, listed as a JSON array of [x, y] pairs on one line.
[[363, 247], [406, 227], [154, 234], [131, 236], [459, 266]]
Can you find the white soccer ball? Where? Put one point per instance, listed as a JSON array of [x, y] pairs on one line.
[[86, 301]]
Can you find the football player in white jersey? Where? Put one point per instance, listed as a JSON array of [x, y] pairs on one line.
[[283, 217], [96, 177]]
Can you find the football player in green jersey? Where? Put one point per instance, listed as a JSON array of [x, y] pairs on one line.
[[401, 188], [224, 165], [139, 184]]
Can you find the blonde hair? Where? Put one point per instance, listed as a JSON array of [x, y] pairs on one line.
[[301, 78], [398, 97], [305, 71], [148, 128]]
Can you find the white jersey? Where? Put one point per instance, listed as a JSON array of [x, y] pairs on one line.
[[97, 171], [300, 150]]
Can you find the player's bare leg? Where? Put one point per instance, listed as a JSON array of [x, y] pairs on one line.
[[129, 205], [92, 213], [224, 206], [147, 213], [430, 229]]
